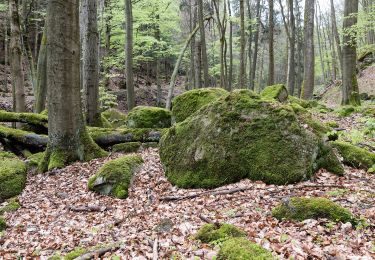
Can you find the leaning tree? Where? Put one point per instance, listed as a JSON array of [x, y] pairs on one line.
[[68, 137]]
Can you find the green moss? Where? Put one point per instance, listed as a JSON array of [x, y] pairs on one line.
[[44, 112], [298, 101], [7, 155], [191, 101], [332, 124], [149, 117], [210, 233], [75, 253], [34, 159], [239, 136], [3, 224], [275, 92], [115, 117], [311, 208], [355, 156], [328, 160], [12, 177], [355, 98], [131, 147], [150, 145], [242, 249], [346, 111], [30, 118], [12, 205], [114, 177], [368, 111]]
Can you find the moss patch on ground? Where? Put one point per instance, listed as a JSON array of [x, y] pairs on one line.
[[3, 224], [149, 117], [242, 249], [239, 136], [210, 232], [299, 209], [12, 177], [191, 101], [131, 147], [355, 156], [114, 178], [11, 206]]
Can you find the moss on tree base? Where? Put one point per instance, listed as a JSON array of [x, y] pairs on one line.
[[311, 208], [242, 249], [114, 178]]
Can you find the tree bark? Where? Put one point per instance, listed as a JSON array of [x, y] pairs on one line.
[[129, 55], [309, 61], [192, 25], [242, 73], [230, 71], [19, 103], [350, 91], [336, 33], [271, 55], [90, 61], [69, 140], [41, 79], [221, 24], [203, 44], [256, 44], [291, 77]]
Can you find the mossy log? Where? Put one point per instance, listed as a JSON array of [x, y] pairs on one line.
[[104, 137], [28, 118]]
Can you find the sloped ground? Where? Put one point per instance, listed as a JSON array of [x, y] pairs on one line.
[[366, 84], [45, 224]]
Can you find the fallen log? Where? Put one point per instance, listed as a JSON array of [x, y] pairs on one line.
[[88, 208], [104, 137], [28, 118]]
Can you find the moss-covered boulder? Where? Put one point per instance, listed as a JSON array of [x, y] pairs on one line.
[[242, 249], [33, 160], [191, 101], [299, 209], [149, 117], [130, 147], [240, 136], [12, 177], [3, 224], [355, 156], [210, 232], [275, 92], [114, 177], [115, 117]]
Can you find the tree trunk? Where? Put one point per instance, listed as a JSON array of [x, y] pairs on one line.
[[221, 24], [336, 33], [242, 73], [192, 25], [41, 79], [230, 72], [90, 61], [203, 44], [256, 44], [299, 78], [68, 137], [271, 56], [350, 91], [309, 61], [19, 103], [292, 43], [324, 76], [129, 55]]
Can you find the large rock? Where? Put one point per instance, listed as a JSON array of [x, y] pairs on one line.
[[12, 176], [241, 136], [191, 101], [149, 117]]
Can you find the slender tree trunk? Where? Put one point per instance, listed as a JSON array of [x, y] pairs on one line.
[[158, 65], [350, 91], [41, 82], [192, 25], [198, 64], [242, 73], [230, 72], [300, 62], [308, 79], [336, 34], [129, 54], [90, 59], [331, 42], [250, 39], [6, 62], [324, 76], [292, 43], [271, 56], [222, 29], [369, 8], [256, 44], [68, 137], [203, 44], [19, 103]]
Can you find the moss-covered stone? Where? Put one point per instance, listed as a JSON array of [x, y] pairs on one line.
[[239, 136], [114, 178], [242, 249], [3, 224], [131, 147], [115, 117], [311, 208], [150, 145], [12, 177], [34, 159], [75, 253], [328, 160], [210, 232], [275, 92], [355, 156], [10, 206], [149, 117], [191, 101]]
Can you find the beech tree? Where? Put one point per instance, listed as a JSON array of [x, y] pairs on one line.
[[242, 73], [129, 54], [69, 140]]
